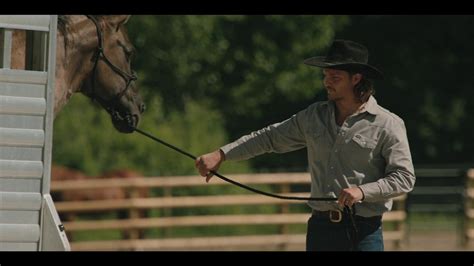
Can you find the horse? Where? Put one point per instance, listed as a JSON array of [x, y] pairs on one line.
[[135, 193], [62, 173], [127, 173], [93, 57]]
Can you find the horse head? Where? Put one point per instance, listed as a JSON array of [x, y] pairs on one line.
[[112, 81], [93, 56]]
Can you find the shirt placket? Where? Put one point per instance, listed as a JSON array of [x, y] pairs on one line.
[[334, 173], [334, 160]]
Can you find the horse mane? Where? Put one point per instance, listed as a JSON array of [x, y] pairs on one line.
[[63, 23], [64, 27], [63, 20]]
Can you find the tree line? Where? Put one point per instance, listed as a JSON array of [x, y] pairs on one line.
[[207, 80]]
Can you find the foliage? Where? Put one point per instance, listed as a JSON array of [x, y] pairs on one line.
[[207, 80], [85, 139], [248, 68], [427, 62]]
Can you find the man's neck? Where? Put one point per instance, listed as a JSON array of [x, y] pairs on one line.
[[345, 108]]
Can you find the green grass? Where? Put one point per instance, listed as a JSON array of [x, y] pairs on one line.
[[97, 235], [417, 221], [216, 231], [434, 221]]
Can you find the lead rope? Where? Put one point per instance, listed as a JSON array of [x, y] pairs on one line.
[[350, 212], [351, 228], [230, 180]]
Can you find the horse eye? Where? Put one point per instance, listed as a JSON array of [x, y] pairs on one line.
[[130, 54], [127, 53]]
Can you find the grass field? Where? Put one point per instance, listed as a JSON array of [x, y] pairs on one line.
[[425, 232]]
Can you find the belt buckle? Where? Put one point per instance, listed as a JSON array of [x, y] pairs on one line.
[[335, 216]]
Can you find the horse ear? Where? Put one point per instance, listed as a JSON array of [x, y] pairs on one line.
[[119, 20]]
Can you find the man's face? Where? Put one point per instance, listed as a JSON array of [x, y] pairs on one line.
[[339, 84]]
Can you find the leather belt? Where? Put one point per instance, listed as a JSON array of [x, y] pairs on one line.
[[336, 216]]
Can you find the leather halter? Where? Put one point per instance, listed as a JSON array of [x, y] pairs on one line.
[[109, 105]]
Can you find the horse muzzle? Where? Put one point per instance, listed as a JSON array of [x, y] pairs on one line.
[[124, 123]]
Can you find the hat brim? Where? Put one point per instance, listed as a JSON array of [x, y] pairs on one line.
[[321, 61]]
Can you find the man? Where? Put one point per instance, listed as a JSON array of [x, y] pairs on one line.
[[358, 152]]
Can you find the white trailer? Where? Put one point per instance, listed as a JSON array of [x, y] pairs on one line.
[[28, 218]]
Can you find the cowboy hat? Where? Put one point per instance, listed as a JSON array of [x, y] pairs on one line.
[[346, 55]]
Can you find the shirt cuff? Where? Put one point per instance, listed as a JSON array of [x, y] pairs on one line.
[[371, 191], [363, 195], [227, 150]]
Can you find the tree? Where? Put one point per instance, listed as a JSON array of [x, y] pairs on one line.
[[427, 64], [206, 80], [248, 68]]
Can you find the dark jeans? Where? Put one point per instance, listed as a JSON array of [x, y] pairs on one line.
[[324, 235]]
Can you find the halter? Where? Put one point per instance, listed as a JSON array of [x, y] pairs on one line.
[[111, 104]]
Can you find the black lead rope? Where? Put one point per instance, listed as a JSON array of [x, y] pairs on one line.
[[230, 180], [352, 229]]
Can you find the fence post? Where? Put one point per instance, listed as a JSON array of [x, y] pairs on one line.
[[284, 208], [167, 212], [468, 207], [400, 225], [133, 214]]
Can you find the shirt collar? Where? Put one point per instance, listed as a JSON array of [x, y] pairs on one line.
[[371, 106]]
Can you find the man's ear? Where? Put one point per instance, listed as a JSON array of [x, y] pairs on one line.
[[356, 78]]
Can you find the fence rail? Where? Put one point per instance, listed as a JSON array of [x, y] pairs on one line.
[[469, 209], [177, 209]]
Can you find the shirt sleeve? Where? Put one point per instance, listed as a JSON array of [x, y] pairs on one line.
[[285, 136], [399, 171]]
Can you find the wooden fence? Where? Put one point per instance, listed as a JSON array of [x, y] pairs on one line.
[[181, 206], [469, 209]]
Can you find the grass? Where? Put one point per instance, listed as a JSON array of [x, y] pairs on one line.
[[416, 221], [435, 221], [111, 234]]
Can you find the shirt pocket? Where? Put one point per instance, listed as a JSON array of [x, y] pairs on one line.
[[364, 142], [360, 149]]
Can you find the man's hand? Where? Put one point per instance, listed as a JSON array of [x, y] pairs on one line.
[[209, 162], [349, 196]]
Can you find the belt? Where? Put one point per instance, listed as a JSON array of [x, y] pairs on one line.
[[336, 216]]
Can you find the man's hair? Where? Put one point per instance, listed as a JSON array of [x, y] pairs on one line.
[[364, 88]]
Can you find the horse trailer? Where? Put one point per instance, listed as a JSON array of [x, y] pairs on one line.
[[28, 218]]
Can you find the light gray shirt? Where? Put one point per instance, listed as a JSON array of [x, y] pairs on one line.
[[370, 150]]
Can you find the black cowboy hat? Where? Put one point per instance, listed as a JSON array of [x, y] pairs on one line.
[[346, 55]]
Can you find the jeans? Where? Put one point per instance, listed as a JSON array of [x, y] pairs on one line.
[[324, 235]]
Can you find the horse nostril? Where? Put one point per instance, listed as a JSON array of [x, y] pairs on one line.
[[142, 108]]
